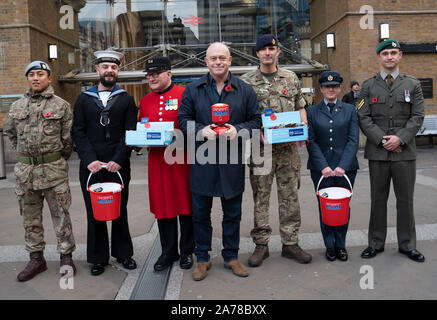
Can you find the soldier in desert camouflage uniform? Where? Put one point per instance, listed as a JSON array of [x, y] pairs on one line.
[[278, 89], [39, 128]]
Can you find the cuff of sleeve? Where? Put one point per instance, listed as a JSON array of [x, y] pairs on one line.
[[402, 141], [302, 103]]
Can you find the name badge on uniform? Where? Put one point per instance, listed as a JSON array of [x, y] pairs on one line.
[[407, 95], [171, 104]]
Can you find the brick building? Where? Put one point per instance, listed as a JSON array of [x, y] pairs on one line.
[[413, 23], [26, 29]]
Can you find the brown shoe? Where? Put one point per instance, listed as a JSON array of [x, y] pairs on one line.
[[37, 264], [295, 252], [237, 268], [261, 252], [199, 272], [67, 260]]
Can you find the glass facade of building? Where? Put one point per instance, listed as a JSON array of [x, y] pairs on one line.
[[182, 30]]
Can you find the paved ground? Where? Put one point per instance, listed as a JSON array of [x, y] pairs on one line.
[[395, 276]]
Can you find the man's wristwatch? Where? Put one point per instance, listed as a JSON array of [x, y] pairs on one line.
[[383, 141]]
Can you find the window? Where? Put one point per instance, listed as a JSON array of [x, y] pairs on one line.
[[427, 90], [183, 29]]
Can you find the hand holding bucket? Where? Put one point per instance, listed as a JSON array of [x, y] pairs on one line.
[[334, 203], [106, 202]]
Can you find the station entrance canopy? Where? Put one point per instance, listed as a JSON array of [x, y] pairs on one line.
[[133, 70]]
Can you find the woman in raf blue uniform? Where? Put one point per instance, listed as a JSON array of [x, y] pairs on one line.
[[333, 143]]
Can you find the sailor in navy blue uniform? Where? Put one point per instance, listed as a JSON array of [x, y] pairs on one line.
[[102, 115]]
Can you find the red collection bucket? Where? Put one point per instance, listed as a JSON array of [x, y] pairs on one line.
[[106, 204], [334, 204]]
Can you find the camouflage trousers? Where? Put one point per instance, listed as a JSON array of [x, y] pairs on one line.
[[31, 208], [285, 165]]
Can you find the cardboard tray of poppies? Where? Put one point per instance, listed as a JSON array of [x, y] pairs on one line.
[[151, 134], [283, 127]]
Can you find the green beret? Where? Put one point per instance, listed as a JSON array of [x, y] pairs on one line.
[[388, 44]]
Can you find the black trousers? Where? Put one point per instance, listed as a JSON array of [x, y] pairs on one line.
[[168, 234], [97, 235]]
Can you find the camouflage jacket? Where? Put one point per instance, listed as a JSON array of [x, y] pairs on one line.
[[40, 124], [282, 94]]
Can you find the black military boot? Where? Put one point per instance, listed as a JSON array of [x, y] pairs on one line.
[[37, 264]]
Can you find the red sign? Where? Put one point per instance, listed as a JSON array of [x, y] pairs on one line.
[[193, 20]]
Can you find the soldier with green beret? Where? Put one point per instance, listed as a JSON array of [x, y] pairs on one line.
[[39, 128], [391, 111], [277, 89]]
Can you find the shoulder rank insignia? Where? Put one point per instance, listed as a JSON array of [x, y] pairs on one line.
[[360, 104]]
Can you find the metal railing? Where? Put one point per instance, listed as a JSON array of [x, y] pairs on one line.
[[2, 156]]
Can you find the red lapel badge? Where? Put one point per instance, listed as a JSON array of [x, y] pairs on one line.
[[374, 99], [47, 114]]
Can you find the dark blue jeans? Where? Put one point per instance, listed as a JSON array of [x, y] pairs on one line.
[[202, 227], [333, 236]]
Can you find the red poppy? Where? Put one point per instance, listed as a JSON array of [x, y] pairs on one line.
[[374, 99], [284, 91], [228, 88], [47, 114]]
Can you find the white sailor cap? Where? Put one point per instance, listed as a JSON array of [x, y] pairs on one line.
[[108, 56], [37, 65]]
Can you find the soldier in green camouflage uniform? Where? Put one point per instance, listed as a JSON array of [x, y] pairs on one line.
[[39, 128], [278, 89]]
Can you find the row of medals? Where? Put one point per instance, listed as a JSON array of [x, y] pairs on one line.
[[171, 105]]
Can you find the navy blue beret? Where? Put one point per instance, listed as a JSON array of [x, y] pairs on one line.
[[267, 40]]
